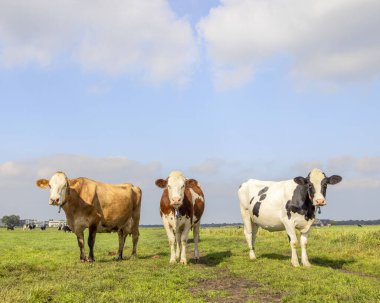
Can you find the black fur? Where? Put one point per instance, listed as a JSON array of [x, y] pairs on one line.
[[256, 209], [301, 203]]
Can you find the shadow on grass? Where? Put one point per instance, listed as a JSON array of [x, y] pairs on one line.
[[320, 261], [213, 259], [332, 263], [275, 257]]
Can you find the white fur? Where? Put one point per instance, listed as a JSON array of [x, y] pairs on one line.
[[58, 186]]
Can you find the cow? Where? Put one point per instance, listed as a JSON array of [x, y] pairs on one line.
[[66, 228], [10, 227], [98, 206], [31, 226], [43, 227], [181, 208], [285, 205]]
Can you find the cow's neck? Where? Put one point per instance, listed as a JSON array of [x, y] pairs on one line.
[[300, 203], [65, 204]]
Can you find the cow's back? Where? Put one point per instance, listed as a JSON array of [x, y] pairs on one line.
[[112, 203]]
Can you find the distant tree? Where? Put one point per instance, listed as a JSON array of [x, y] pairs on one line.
[[11, 220]]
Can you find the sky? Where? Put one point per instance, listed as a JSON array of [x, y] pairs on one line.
[[127, 91]]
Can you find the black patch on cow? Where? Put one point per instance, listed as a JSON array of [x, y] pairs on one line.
[[289, 238], [250, 201], [256, 209], [262, 197], [264, 190], [301, 203]]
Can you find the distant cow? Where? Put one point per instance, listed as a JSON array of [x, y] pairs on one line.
[[66, 228], [181, 208], [285, 205], [43, 227], [31, 226], [10, 227], [100, 207]]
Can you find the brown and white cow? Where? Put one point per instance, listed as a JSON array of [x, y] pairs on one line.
[[100, 207], [181, 208]]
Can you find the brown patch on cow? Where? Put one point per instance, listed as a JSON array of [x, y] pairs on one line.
[[199, 207], [165, 207], [230, 288]]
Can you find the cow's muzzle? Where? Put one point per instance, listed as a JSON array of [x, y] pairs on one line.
[[320, 202], [54, 201]]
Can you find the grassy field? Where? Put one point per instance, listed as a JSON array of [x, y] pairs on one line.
[[43, 266]]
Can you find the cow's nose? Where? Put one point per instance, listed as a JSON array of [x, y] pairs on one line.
[[54, 201], [320, 201], [176, 199]]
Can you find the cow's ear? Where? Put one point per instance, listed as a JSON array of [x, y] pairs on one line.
[[191, 183], [73, 182], [300, 180], [161, 183], [42, 183], [334, 179]]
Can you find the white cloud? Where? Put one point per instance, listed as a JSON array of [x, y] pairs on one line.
[[142, 37], [333, 40]]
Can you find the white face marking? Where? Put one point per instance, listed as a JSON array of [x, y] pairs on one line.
[[316, 177], [176, 188], [58, 186]]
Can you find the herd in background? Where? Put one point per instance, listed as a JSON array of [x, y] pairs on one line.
[[285, 205]]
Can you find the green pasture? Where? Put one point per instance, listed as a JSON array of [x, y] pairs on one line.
[[43, 266]]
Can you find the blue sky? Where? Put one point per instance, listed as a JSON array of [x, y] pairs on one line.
[[222, 90]]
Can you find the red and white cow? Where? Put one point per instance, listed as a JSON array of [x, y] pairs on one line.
[[285, 205], [181, 208]]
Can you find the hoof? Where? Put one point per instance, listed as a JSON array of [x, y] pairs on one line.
[[133, 257], [91, 260], [119, 259], [172, 261], [295, 264], [306, 264], [184, 262]]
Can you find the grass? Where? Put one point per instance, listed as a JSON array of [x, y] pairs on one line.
[[43, 266]]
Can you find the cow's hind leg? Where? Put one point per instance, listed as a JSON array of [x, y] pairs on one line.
[[80, 238], [196, 240], [304, 258], [122, 235], [135, 239], [91, 242], [250, 231]]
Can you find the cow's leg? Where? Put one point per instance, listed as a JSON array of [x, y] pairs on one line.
[[135, 239], [80, 238], [178, 234], [250, 231], [91, 242], [290, 229], [304, 258], [196, 228], [184, 236], [171, 237], [122, 236]]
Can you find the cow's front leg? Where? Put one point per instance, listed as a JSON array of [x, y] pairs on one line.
[[170, 233], [91, 242], [293, 241], [184, 236], [80, 238], [178, 234], [304, 258], [122, 236]]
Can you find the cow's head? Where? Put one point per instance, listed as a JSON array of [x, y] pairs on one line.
[[59, 187], [315, 185], [176, 184]]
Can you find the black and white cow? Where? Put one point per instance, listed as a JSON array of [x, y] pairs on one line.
[[285, 205]]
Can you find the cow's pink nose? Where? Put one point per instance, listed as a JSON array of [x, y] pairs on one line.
[[320, 201], [176, 199], [54, 200]]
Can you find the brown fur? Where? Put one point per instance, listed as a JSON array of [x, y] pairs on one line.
[[90, 204]]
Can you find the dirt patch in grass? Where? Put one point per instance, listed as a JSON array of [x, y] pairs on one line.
[[230, 288]]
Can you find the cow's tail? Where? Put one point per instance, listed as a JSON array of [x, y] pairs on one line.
[[136, 206]]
